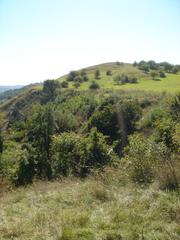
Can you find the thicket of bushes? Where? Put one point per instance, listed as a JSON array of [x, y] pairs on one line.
[[71, 133]]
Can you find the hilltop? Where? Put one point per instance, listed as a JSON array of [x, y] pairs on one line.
[[164, 80]]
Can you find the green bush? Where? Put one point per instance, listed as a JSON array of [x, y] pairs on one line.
[[75, 154], [94, 86], [109, 73], [142, 157], [175, 107], [97, 74], [164, 132], [156, 115], [162, 74], [64, 84]]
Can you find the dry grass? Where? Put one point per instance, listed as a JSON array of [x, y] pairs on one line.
[[101, 207]]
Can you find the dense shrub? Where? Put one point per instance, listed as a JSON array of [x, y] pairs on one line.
[[97, 74], [156, 115], [50, 88], [133, 80], [71, 76], [64, 84], [162, 74], [94, 86], [75, 154], [109, 73], [36, 158], [164, 132], [142, 157], [77, 84], [175, 107], [116, 121]]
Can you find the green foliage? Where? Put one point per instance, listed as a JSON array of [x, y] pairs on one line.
[[77, 84], [157, 114], [109, 73], [50, 90], [28, 165], [116, 121], [175, 107], [105, 119], [64, 84], [129, 113], [65, 121], [117, 79], [141, 157], [72, 76], [36, 159], [162, 74], [152, 65], [94, 86], [123, 79], [143, 66], [75, 154], [133, 80], [97, 74], [154, 75], [164, 132], [175, 70]]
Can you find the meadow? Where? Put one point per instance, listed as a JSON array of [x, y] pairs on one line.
[[169, 84], [99, 208]]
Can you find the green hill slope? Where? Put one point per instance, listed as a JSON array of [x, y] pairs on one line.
[[171, 83]]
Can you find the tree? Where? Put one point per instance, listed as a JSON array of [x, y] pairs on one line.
[[162, 74], [64, 84], [83, 72], [117, 79], [50, 90], [153, 65], [109, 73], [97, 74], [94, 86], [167, 66], [71, 76], [40, 127], [124, 79], [175, 70], [154, 75], [175, 107], [144, 66], [85, 78], [135, 64], [75, 154], [77, 84]]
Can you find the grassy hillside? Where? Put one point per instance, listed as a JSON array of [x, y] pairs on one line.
[[169, 84], [79, 164], [95, 209]]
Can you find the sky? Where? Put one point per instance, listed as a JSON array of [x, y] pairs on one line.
[[44, 39]]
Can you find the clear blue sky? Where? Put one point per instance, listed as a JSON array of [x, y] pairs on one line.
[[41, 39]]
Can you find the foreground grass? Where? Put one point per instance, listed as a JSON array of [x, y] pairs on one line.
[[103, 209]]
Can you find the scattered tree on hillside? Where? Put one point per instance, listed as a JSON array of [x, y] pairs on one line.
[[94, 86], [154, 75], [71, 76], [50, 90], [64, 84], [97, 74], [109, 73], [162, 74]]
